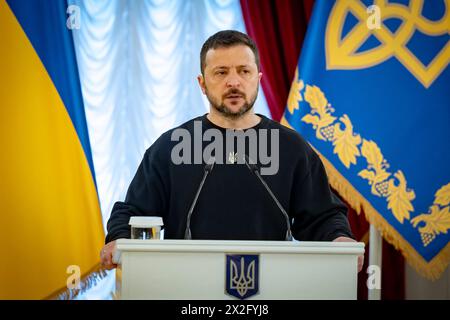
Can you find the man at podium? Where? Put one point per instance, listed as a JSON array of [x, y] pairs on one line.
[[231, 174]]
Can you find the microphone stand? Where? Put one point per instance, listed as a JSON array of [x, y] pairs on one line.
[[254, 169], [208, 169]]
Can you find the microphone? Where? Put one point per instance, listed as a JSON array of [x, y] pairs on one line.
[[254, 168], [208, 168]]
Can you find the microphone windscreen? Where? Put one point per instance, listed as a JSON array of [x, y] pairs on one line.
[[250, 164], [209, 166]]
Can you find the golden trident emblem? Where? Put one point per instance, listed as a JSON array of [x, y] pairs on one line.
[[341, 53], [242, 281]]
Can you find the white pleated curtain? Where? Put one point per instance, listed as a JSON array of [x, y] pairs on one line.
[[138, 62]]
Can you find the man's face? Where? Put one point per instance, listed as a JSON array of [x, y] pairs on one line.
[[231, 80]]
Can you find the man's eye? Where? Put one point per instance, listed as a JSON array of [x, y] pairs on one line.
[[246, 71], [220, 73]]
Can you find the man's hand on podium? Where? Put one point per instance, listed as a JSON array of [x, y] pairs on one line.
[[106, 255], [360, 258]]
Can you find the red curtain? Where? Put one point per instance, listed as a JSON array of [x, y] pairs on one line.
[[278, 28]]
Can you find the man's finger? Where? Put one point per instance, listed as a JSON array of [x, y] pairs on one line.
[[360, 263], [110, 266], [107, 261], [106, 256], [107, 264]]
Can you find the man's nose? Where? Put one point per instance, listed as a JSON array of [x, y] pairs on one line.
[[233, 80]]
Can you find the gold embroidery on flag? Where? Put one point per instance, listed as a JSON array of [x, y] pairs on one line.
[[345, 142], [376, 172], [320, 116], [346, 145], [399, 198], [342, 53], [438, 220], [294, 94]]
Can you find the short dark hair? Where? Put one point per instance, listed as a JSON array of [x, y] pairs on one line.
[[226, 39]]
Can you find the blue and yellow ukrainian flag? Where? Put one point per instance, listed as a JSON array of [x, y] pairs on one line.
[[371, 95], [49, 206]]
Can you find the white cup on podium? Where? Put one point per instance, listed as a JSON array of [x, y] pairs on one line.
[[146, 228]]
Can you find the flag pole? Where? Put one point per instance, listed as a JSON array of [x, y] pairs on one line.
[[375, 254]]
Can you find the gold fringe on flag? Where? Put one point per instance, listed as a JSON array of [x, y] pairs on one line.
[[89, 280]]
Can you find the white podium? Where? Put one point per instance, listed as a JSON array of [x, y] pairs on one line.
[[197, 269]]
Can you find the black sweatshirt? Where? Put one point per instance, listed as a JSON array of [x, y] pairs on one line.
[[233, 204]]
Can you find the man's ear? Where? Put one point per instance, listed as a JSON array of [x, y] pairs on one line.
[[201, 82], [260, 76]]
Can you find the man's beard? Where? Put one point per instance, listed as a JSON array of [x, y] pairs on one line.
[[225, 111]]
